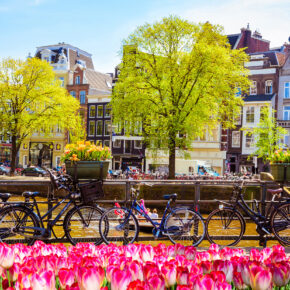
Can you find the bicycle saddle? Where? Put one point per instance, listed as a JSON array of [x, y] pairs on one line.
[[5, 196], [30, 193], [170, 196], [275, 191]]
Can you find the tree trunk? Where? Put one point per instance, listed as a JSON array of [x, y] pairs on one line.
[[14, 150], [172, 145]]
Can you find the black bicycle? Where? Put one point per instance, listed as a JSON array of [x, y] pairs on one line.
[[226, 226], [22, 220], [181, 225]]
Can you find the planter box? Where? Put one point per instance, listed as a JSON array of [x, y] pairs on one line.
[[277, 171], [87, 169]]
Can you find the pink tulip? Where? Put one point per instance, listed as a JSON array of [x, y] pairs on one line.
[[238, 281], [214, 247], [66, 277], [135, 269], [90, 278], [138, 285], [256, 255], [7, 256], [179, 249], [169, 275], [281, 274], [183, 287], [206, 282], [109, 272], [146, 253], [218, 276], [150, 269], [120, 280], [223, 286], [206, 266], [260, 279], [182, 276], [226, 267], [156, 283], [132, 251], [43, 281]]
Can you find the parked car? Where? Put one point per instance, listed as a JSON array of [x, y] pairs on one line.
[[4, 170], [34, 171]]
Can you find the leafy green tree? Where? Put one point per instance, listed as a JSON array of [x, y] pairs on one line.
[[179, 79], [31, 100], [267, 134]]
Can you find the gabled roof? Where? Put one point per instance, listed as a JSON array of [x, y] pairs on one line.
[[233, 39], [98, 81], [275, 58], [258, 98]]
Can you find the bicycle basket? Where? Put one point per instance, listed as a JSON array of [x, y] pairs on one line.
[[91, 191]]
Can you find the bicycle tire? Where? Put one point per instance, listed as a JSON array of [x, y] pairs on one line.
[[115, 230], [81, 224], [13, 215], [280, 224], [179, 228], [225, 227]]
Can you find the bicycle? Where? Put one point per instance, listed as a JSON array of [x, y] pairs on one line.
[[180, 224], [226, 225], [23, 219]]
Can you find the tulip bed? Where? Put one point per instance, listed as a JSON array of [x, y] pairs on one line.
[[139, 266]]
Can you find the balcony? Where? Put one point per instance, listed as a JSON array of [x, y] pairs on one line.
[[284, 123]]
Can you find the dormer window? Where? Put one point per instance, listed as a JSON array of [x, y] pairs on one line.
[[253, 88], [46, 58], [46, 55], [269, 87], [78, 80]]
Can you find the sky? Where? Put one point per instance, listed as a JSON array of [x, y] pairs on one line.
[[99, 27]]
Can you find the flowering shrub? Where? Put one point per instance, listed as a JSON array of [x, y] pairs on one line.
[[85, 151], [280, 156], [138, 266]]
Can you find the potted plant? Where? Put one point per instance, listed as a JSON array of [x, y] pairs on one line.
[[84, 160], [280, 161]]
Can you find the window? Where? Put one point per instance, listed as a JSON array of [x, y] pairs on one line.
[[138, 128], [250, 114], [286, 140], [78, 80], [46, 58], [213, 135], [92, 113], [117, 143], [92, 128], [99, 128], [73, 93], [236, 139], [286, 113], [100, 111], [253, 88], [249, 140], [107, 143], [138, 144], [238, 119], [107, 111], [107, 128], [286, 90], [82, 97], [61, 79], [268, 87]]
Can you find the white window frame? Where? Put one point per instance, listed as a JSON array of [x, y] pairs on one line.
[[251, 139], [115, 143], [249, 109], [82, 96], [91, 122], [107, 123], [92, 106], [267, 86], [286, 113], [253, 88], [98, 111], [235, 137], [138, 147], [287, 89], [99, 121], [105, 108]]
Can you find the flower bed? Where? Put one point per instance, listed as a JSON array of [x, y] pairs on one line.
[[138, 266]]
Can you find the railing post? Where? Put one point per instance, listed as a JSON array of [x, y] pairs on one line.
[[197, 196], [127, 193], [263, 195], [49, 201]]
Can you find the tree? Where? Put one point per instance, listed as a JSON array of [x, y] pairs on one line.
[[31, 100], [178, 78], [267, 135]]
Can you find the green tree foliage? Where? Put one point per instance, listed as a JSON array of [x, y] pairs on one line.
[[178, 78], [267, 134], [32, 100]]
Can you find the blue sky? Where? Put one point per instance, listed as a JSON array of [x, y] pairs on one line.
[[98, 27]]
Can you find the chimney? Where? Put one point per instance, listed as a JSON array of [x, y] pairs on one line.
[[247, 37]]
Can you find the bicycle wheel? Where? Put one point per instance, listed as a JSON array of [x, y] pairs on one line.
[[18, 223], [225, 227], [184, 226], [117, 227], [280, 223], [81, 224]]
